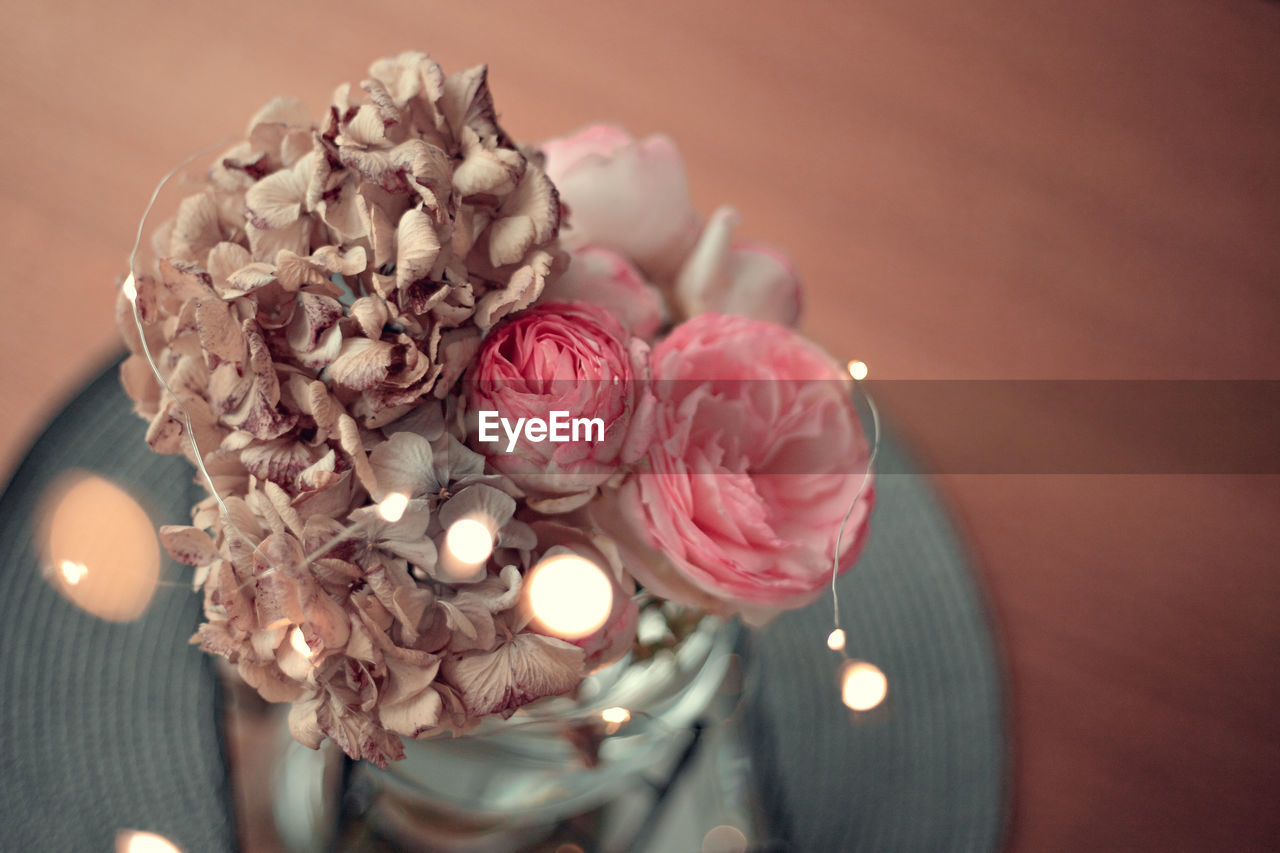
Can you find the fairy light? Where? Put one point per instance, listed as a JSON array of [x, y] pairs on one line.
[[569, 595], [469, 540], [132, 841], [392, 507], [299, 643], [863, 685], [615, 715], [836, 639], [130, 289], [614, 719], [73, 572], [725, 839], [97, 546]]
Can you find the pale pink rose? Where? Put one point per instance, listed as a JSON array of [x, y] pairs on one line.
[[569, 357], [632, 197], [627, 195], [729, 276], [757, 455], [605, 278]]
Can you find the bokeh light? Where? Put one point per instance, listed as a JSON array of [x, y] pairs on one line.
[[98, 547], [132, 841], [858, 370], [392, 507], [615, 715], [73, 572], [469, 541], [864, 686], [724, 839], [835, 640], [569, 595]]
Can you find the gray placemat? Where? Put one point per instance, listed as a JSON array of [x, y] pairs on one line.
[[104, 726], [927, 770]]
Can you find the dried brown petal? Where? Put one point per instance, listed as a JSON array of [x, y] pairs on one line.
[[195, 229], [526, 667], [362, 363], [188, 545], [281, 461], [417, 247], [528, 217], [523, 289], [276, 201]]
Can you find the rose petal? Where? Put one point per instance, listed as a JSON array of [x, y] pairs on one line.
[[603, 277], [626, 195]]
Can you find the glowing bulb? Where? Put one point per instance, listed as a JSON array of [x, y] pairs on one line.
[[130, 289], [393, 506], [469, 541], [858, 370], [835, 640], [131, 841], [617, 716], [569, 595], [299, 643], [73, 572], [864, 686], [98, 546], [724, 839]]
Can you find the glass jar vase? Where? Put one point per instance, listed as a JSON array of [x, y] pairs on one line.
[[508, 784]]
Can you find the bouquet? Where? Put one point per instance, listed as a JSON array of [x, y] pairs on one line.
[[463, 406]]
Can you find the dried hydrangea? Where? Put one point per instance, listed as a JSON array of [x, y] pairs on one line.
[[311, 308], [367, 633], [369, 252]]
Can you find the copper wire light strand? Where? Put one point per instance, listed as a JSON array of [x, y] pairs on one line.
[[862, 487], [142, 333]]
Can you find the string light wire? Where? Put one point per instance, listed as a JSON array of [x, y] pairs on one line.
[[131, 292], [837, 632]]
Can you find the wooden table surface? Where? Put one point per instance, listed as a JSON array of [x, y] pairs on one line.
[[1024, 190]]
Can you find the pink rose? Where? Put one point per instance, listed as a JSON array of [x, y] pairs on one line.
[[565, 363], [757, 454], [626, 195], [605, 278], [632, 197]]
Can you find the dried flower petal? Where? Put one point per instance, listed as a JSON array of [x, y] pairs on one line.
[[527, 667], [418, 247]]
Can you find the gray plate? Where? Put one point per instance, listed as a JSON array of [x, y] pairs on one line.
[[927, 770], [104, 726]]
